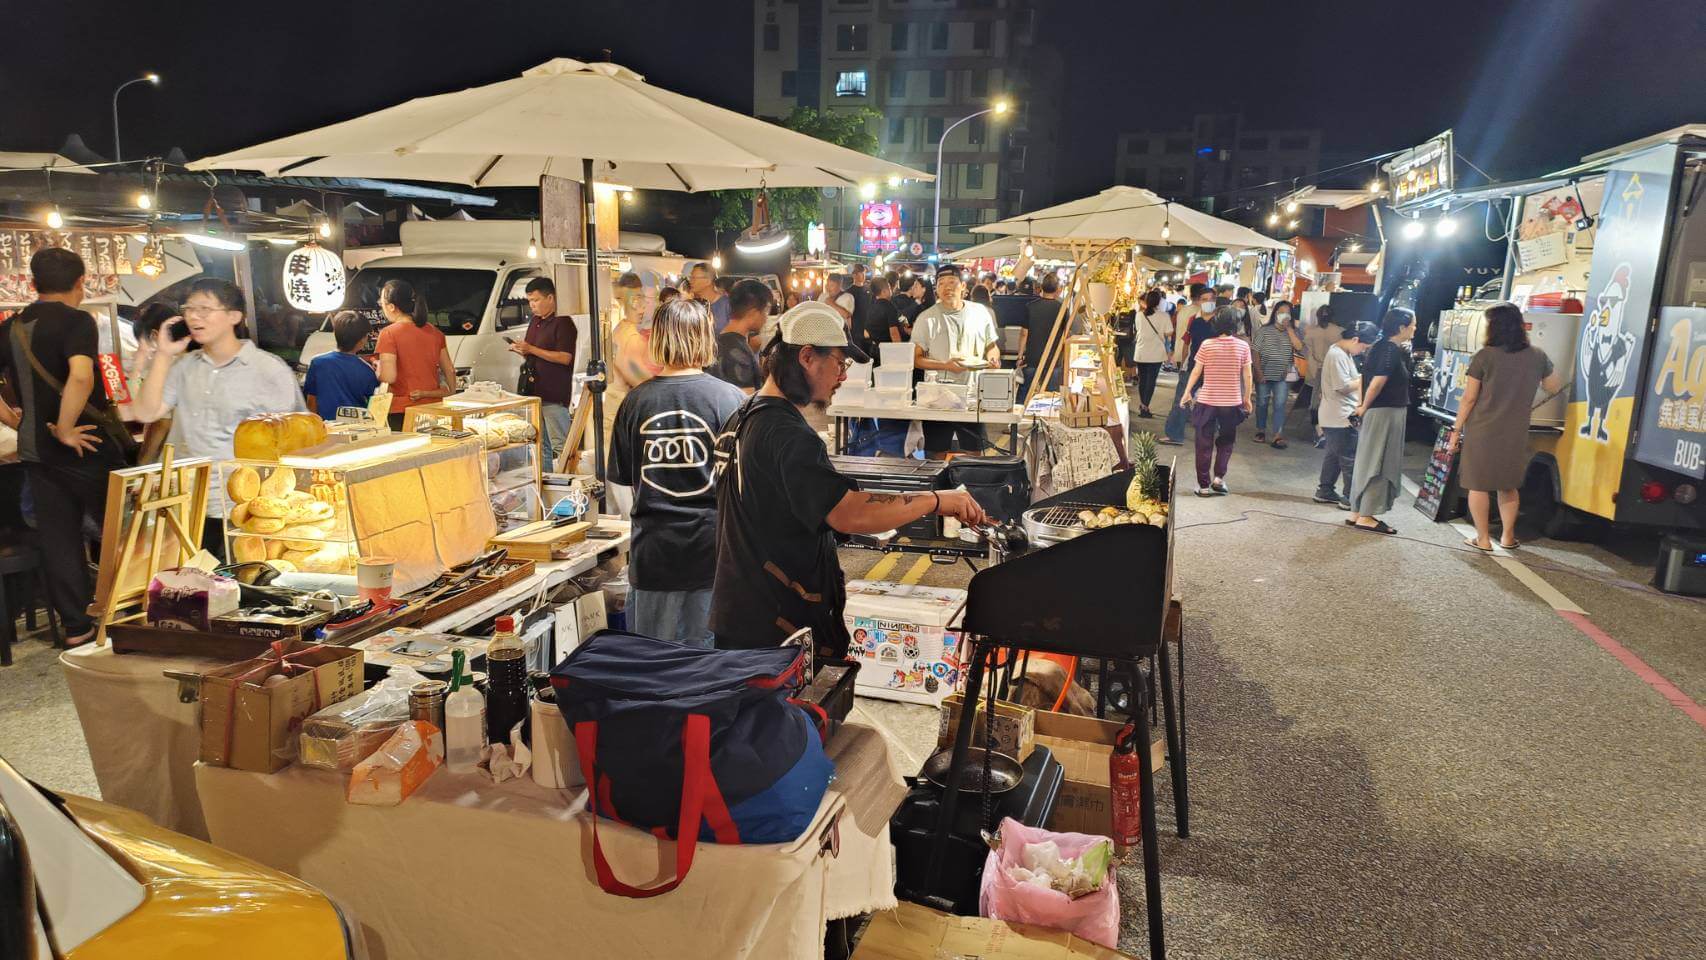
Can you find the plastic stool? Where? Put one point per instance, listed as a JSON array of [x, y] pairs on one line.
[[25, 559]]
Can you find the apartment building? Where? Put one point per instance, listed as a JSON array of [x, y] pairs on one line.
[[1215, 157], [922, 65]]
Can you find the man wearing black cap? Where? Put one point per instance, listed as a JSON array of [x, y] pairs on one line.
[[1341, 391], [780, 501]]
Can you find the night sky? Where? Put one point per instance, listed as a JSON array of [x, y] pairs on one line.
[[1529, 85]]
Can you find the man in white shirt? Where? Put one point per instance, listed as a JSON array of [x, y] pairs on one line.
[[835, 294], [952, 337], [1341, 391]]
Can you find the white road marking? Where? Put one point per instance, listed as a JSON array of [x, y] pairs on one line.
[[1547, 593]]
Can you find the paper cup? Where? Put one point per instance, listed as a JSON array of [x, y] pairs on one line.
[[373, 578]]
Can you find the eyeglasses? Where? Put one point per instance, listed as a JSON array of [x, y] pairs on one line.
[[202, 311]]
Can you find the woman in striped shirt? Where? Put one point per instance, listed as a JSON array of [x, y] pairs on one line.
[[1222, 369]]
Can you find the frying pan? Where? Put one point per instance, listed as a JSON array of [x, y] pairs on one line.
[[1004, 771]]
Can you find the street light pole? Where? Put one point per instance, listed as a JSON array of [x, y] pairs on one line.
[[998, 107], [153, 78]]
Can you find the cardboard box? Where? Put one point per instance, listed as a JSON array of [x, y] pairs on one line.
[[248, 726], [1083, 746], [912, 932], [1015, 727]]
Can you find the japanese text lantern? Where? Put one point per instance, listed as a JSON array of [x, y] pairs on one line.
[[313, 279]]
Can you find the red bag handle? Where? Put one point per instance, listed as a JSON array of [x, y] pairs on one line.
[[700, 799]]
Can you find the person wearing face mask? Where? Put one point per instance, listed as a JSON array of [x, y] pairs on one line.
[[780, 500], [1384, 406], [1277, 347], [1194, 326]]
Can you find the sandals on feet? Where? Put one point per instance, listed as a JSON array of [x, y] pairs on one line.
[[1379, 526], [1471, 542]]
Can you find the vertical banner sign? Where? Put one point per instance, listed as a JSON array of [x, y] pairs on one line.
[[1673, 413], [1619, 302]]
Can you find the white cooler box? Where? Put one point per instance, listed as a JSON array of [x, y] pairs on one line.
[[902, 641]]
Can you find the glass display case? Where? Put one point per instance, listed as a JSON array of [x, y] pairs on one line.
[[296, 515], [513, 433]]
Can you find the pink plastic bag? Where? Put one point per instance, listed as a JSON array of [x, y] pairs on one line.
[[1094, 917]]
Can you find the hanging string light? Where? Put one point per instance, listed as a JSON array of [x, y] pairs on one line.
[[54, 219], [532, 246], [1167, 224], [152, 262]]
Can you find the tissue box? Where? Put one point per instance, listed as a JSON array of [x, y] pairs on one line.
[[398, 767], [249, 725], [189, 599], [1015, 726]]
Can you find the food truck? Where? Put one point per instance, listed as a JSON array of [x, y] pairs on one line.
[[1607, 260]]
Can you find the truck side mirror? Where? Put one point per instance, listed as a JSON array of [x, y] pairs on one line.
[[512, 313]]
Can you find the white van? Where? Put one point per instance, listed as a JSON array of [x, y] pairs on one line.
[[473, 275]]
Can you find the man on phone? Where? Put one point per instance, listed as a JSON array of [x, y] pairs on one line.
[[48, 361], [548, 364]]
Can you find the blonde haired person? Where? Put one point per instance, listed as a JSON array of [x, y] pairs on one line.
[[630, 362], [661, 448]]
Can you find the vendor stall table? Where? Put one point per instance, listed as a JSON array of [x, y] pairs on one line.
[[468, 868], [144, 738], [842, 412]]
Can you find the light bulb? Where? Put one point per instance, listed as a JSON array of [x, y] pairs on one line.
[[716, 261], [1178, 259], [894, 181], [1292, 225], [627, 196], [54, 220], [1445, 227], [1374, 185], [144, 201], [325, 228], [532, 250], [1166, 232], [1414, 229], [868, 190], [1030, 251], [1291, 207]]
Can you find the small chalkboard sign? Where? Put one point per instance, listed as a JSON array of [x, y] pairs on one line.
[[1438, 499]]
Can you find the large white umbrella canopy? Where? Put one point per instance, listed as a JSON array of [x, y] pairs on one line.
[[548, 121], [1134, 214]]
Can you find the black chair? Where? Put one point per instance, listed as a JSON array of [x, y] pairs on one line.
[[23, 561]]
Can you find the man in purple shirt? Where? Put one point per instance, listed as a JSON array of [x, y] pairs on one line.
[[549, 357]]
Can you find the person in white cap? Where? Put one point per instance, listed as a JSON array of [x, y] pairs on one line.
[[780, 501]]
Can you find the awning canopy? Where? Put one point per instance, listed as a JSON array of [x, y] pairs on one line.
[[1134, 214], [547, 122]]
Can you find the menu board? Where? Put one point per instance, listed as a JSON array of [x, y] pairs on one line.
[[1432, 500], [105, 257], [1673, 414]]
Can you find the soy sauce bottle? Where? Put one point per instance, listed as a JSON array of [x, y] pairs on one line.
[[506, 686]]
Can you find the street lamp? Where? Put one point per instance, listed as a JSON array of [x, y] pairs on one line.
[[153, 78], [999, 107]]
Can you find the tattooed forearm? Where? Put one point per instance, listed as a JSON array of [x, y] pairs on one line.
[[893, 497]]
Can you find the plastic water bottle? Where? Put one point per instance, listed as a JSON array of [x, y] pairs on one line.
[[464, 721]]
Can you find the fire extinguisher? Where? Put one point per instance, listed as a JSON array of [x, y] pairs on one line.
[[1123, 774]]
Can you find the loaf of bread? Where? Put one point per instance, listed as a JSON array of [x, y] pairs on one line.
[[274, 507], [279, 483], [243, 485], [248, 549]]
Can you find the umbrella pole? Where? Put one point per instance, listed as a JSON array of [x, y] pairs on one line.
[[595, 363]]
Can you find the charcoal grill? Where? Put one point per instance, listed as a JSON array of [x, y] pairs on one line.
[[1103, 593]]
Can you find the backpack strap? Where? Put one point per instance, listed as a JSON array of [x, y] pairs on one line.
[[107, 420]]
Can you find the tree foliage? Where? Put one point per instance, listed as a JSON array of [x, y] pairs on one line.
[[794, 207]]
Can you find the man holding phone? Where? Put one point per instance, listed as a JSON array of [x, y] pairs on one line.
[[548, 365], [952, 338]]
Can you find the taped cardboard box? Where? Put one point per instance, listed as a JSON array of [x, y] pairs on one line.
[[912, 932], [1015, 729], [1083, 746], [247, 725]]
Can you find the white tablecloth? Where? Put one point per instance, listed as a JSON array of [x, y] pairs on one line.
[[143, 741], [468, 868]]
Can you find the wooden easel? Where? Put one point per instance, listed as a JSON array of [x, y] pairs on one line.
[[1054, 351], [164, 497], [571, 452]]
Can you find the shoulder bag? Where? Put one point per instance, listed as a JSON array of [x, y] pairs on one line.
[[107, 420]]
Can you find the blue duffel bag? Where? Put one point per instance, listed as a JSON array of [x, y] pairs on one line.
[[692, 743]]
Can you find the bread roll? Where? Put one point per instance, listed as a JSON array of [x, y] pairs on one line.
[[282, 566], [239, 514], [263, 525], [303, 531], [275, 549], [248, 549], [297, 557], [320, 512], [279, 483], [274, 507], [243, 485]]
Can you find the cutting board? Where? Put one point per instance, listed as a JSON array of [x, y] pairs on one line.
[[539, 540]]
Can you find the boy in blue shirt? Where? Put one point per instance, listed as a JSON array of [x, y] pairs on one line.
[[341, 379]]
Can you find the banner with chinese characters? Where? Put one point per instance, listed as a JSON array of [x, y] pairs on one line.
[[880, 226], [105, 257], [1597, 421], [1673, 414], [1422, 173]]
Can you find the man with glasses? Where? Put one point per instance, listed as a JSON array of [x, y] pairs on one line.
[[952, 338], [780, 501], [209, 392], [702, 283]]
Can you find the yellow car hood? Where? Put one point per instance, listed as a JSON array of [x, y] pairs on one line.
[[203, 902]]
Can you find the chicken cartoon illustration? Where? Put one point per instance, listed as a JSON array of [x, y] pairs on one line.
[[1605, 353]]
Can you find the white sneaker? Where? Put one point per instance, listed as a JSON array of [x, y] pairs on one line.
[[1219, 486], [1205, 492]]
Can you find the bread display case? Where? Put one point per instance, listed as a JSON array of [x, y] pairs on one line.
[[411, 497], [512, 432]]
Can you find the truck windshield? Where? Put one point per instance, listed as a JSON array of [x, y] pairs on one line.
[[455, 299]]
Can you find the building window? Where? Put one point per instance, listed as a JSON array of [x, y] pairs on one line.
[[979, 83], [1137, 145], [897, 36], [932, 132], [850, 83], [897, 85], [980, 33], [897, 129], [974, 176], [1178, 145], [1016, 160], [790, 80], [1294, 143], [976, 131], [938, 83], [1253, 143], [772, 37], [852, 37], [930, 167], [938, 36]]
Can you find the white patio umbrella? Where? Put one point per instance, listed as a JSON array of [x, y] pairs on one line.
[[1005, 247], [1130, 213], [598, 122], [551, 120]]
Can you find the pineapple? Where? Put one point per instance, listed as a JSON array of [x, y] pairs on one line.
[[1146, 480]]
